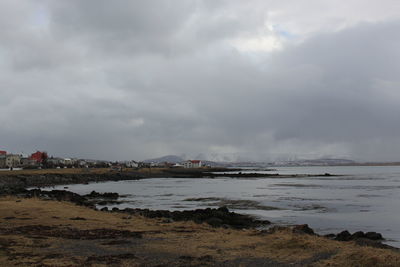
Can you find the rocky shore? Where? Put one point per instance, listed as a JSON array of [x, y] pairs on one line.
[[39, 231], [219, 217], [14, 181], [142, 237]]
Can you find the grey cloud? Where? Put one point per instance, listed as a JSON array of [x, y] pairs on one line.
[[166, 27], [147, 78]]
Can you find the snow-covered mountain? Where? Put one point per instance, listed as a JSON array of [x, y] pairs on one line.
[[168, 158]]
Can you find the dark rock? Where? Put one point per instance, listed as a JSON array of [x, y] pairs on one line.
[[106, 202], [303, 229], [373, 236], [220, 217], [331, 236], [223, 209], [360, 237], [60, 195], [108, 195], [356, 235], [214, 222], [343, 236]]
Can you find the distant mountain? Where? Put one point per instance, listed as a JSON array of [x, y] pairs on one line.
[[168, 158], [178, 159], [221, 157], [333, 161], [318, 162], [233, 160]]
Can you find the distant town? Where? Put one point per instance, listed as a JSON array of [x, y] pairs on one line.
[[42, 160]]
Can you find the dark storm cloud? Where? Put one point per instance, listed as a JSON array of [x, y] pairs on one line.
[[145, 78]]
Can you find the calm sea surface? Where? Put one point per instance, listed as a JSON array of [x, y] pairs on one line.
[[364, 198]]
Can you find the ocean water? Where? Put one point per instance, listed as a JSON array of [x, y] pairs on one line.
[[364, 198]]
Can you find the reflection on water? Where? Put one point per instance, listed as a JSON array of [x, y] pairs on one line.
[[365, 198]]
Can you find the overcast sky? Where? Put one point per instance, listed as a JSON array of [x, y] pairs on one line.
[[237, 79]]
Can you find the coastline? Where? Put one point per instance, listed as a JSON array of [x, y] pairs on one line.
[[13, 181], [75, 215], [58, 233]]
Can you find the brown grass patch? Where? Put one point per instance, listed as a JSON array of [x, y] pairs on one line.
[[182, 243]]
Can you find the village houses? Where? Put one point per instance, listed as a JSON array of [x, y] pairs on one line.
[[9, 160], [192, 164]]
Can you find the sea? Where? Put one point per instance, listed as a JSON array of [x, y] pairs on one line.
[[361, 198]]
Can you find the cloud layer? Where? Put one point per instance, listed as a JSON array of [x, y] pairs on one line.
[[242, 79]]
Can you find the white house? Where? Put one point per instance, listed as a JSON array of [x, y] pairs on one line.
[[132, 164], [192, 164], [177, 165], [68, 161], [13, 160]]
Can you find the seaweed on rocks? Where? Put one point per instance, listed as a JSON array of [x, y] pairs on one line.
[[89, 200], [60, 195], [11, 184], [103, 198], [370, 239], [303, 229], [216, 217], [107, 195], [220, 217], [346, 236]]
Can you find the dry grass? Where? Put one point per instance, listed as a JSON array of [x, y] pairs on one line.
[[170, 240]]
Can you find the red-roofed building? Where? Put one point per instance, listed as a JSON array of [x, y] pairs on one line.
[[192, 164], [38, 156], [2, 152]]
